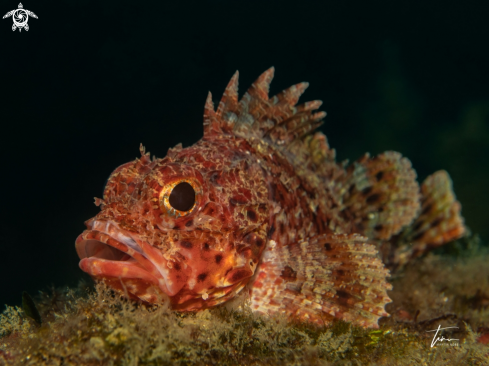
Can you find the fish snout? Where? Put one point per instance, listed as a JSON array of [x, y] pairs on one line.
[[108, 254]]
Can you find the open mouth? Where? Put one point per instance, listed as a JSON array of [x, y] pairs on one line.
[[106, 241], [94, 248], [108, 253]]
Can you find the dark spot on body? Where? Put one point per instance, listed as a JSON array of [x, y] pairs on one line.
[[186, 244], [206, 246], [426, 209], [239, 275], [378, 227], [282, 228], [251, 215], [343, 297], [218, 258], [259, 242], [279, 194], [379, 175], [328, 247], [417, 226], [271, 231], [339, 273], [351, 189], [436, 222], [373, 198], [367, 190], [189, 223], [418, 236], [202, 277], [177, 266], [288, 274]]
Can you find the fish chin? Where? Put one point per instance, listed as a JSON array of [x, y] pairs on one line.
[[108, 254]]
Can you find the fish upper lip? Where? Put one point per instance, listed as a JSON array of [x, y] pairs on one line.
[[105, 240], [113, 230]]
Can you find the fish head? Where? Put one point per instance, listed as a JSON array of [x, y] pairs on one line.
[[189, 228]]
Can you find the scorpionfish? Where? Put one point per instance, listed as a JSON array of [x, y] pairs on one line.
[[260, 205]]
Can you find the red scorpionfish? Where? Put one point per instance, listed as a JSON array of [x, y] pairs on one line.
[[260, 205]]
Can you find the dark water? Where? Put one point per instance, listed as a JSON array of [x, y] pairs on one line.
[[89, 81]]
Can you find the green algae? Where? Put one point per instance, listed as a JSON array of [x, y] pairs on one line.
[[94, 326]]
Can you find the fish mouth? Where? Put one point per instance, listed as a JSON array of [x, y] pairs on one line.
[[109, 253], [105, 240], [94, 248]]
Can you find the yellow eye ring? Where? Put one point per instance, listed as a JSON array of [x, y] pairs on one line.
[[180, 197]]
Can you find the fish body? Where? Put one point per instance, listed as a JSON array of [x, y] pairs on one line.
[[259, 204]]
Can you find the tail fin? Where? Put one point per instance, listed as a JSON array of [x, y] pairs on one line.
[[327, 277], [438, 223]]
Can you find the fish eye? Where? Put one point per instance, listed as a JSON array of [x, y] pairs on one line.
[[180, 197]]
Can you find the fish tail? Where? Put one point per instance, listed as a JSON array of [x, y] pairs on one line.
[[438, 222]]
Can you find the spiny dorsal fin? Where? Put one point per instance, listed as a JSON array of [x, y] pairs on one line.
[[212, 124], [275, 119], [229, 100]]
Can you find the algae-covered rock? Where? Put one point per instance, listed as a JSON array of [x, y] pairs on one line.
[[94, 326]]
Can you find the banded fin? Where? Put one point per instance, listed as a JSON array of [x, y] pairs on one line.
[[382, 195], [277, 119], [438, 223], [326, 277]]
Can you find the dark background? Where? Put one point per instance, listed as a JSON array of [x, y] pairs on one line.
[[91, 80]]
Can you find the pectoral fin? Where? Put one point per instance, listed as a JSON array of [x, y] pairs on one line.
[[325, 277]]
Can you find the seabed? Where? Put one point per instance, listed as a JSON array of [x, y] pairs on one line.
[[94, 326]]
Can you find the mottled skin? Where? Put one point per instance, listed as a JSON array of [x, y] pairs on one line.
[[215, 249], [273, 213]]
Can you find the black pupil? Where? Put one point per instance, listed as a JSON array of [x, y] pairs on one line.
[[182, 197]]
